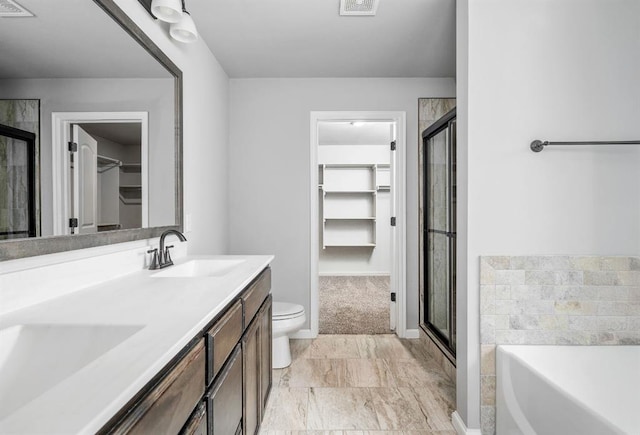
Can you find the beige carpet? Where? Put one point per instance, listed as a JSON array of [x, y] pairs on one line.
[[354, 304]]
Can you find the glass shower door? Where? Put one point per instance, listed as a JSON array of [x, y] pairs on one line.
[[439, 230]]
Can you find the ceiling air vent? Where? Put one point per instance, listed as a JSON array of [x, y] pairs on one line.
[[9, 8], [358, 7]]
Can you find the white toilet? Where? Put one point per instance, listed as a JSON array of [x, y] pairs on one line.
[[286, 319]]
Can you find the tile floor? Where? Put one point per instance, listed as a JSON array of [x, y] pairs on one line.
[[359, 385]]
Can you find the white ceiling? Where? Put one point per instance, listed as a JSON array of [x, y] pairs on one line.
[[70, 39], [308, 38]]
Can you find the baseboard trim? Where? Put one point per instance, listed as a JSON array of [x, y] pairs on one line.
[[354, 274], [303, 334], [460, 427], [411, 333]]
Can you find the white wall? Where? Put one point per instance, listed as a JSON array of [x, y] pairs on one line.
[[205, 132], [269, 167], [552, 70]]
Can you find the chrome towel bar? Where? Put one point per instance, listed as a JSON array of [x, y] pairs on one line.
[[538, 145]]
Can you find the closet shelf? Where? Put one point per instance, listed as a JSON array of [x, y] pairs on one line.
[[131, 194], [131, 167]]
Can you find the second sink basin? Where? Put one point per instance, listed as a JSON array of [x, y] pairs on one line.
[[36, 357], [199, 268]]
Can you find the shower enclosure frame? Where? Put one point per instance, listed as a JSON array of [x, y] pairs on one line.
[[29, 140], [445, 343]]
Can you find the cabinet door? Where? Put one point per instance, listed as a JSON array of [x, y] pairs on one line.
[[197, 424], [265, 334], [224, 400], [251, 369]]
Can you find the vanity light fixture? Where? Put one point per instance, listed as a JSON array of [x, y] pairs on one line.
[[167, 10], [185, 29]]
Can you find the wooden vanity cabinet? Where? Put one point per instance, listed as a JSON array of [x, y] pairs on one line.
[[197, 424], [219, 383], [170, 403], [256, 353]]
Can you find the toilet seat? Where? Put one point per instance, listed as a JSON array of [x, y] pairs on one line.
[[285, 311]]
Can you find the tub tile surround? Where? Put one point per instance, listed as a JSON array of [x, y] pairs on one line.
[[553, 300], [357, 384]]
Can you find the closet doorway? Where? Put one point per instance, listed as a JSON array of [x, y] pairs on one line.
[[357, 287]]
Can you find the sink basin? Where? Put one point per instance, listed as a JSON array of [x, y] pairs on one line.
[[199, 268], [36, 357]]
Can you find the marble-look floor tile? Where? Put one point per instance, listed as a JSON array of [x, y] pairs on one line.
[[409, 372], [300, 348], [287, 409], [382, 346], [397, 408], [335, 346], [367, 373], [317, 372], [347, 432], [417, 347], [437, 407], [276, 374], [341, 409], [328, 389]]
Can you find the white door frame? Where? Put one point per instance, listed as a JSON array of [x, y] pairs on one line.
[[60, 137], [398, 233]]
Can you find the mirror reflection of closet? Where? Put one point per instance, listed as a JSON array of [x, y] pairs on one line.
[[108, 168]]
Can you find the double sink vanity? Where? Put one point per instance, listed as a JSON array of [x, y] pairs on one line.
[[186, 349]]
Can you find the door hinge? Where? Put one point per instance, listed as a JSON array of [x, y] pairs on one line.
[[393, 296], [73, 223], [73, 147], [393, 145], [393, 221]]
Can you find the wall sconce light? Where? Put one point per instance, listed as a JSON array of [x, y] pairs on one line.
[[183, 28]]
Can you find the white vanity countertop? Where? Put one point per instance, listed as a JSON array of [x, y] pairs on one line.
[[170, 312]]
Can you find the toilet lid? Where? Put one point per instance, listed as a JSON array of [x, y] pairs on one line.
[[285, 310]]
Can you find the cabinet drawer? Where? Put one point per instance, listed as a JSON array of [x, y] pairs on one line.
[[222, 338], [256, 294], [170, 403], [224, 400]]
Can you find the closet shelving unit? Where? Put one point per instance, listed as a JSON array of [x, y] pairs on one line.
[[349, 194], [130, 183]]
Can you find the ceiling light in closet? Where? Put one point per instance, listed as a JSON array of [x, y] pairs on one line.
[[358, 7]]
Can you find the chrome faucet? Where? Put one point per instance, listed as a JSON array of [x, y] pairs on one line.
[[162, 259]]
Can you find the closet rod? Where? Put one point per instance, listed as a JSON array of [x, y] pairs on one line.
[[538, 145]]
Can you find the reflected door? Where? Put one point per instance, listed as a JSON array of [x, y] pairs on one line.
[[439, 232], [85, 181]]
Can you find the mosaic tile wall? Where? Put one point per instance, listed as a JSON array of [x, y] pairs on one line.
[[559, 300]]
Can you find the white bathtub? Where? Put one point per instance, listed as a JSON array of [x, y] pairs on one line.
[[564, 390]]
